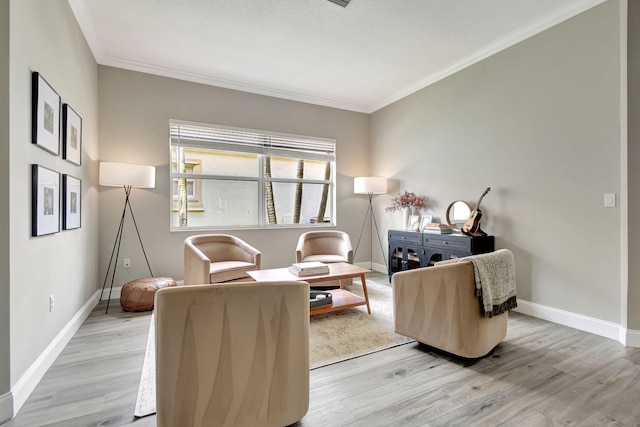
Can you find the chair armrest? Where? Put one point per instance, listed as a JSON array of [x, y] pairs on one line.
[[300, 250], [250, 254], [347, 250], [196, 266]]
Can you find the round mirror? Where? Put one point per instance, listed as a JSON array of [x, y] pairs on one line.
[[458, 213]]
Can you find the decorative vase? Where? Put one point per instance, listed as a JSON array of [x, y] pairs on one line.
[[405, 217]]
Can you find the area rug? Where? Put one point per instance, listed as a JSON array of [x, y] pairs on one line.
[[333, 337]]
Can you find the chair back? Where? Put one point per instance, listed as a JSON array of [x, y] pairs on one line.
[[438, 306], [232, 354], [326, 242]]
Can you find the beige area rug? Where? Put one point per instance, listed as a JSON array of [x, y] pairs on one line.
[[333, 337]]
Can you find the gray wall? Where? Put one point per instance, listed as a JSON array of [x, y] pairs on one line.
[[5, 383], [539, 124], [135, 110], [633, 181], [46, 38]]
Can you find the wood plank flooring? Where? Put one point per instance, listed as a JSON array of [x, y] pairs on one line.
[[542, 374]]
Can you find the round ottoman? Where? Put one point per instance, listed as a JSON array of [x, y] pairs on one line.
[[138, 295]]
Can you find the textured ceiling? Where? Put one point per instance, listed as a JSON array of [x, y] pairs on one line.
[[359, 58]]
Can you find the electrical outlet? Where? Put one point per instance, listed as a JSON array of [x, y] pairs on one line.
[[127, 262], [51, 304]]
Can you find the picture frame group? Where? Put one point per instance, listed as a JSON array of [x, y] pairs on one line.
[[49, 190], [55, 198], [51, 120]]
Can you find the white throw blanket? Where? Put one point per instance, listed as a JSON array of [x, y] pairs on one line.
[[495, 275]]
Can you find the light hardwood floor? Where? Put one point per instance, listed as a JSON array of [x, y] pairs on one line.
[[542, 374]]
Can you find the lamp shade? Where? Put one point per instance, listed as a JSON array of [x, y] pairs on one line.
[[370, 185], [113, 174]]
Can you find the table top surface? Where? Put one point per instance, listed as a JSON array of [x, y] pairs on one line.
[[338, 270]]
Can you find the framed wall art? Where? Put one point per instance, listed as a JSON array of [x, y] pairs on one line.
[[45, 114], [71, 135], [45, 201], [71, 202]]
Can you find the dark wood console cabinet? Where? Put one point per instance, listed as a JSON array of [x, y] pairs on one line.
[[412, 249]]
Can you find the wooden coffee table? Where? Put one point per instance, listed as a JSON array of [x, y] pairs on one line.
[[341, 299]]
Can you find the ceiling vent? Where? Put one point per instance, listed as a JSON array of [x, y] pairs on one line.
[[343, 3]]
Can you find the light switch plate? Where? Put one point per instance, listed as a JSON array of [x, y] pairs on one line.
[[610, 200]]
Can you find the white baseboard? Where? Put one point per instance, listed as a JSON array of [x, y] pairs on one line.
[[630, 337], [30, 379], [592, 325], [6, 407]]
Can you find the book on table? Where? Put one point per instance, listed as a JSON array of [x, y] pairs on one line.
[[436, 228], [309, 268]]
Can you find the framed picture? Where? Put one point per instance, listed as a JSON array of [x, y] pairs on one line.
[[45, 201], [71, 202], [45, 115], [424, 220], [71, 135], [414, 222]]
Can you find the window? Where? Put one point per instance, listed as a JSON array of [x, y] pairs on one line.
[[224, 177], [193, 187]]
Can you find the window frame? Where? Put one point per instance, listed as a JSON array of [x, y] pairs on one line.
[[267, 149]]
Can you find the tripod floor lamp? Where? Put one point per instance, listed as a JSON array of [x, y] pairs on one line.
[[127, 176], [370, 185]]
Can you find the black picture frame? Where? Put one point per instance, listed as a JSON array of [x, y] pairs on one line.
[[45, 201], [71, 135], [45, 115], [71, 202]]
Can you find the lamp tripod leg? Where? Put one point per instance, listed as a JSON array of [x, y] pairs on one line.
[[116, 251], [366, 215], [375, 223], [139, 238], [116, 247]]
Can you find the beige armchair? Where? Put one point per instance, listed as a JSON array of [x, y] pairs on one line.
[[232, 354], [438, 306], [215, 258], [326, 246]]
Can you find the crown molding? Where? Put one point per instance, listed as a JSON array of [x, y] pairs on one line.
[[505, 42], [84, 21], [228, 84]]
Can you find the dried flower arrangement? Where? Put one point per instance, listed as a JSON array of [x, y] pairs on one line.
[[407, 200]]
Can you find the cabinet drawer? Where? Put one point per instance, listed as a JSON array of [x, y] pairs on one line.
[[406, 237], [458, 243]]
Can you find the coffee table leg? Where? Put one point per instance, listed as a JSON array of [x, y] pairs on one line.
[[366, 294]]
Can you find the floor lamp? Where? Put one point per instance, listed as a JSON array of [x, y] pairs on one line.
[[370, 185], [127, 176]]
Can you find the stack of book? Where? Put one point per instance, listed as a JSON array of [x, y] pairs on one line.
[[436, 228], [309, 268]]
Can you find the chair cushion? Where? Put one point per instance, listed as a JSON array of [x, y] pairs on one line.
[[325, 258], [224, 271]]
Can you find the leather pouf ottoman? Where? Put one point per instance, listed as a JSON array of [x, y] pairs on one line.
[[138, 295]]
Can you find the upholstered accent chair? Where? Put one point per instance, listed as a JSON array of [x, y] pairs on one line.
[[232, 354], [438, 306], [325, 246], [216, 258]]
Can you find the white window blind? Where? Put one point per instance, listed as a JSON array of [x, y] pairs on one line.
[[251, 141]]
